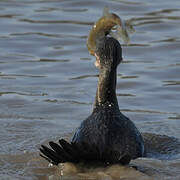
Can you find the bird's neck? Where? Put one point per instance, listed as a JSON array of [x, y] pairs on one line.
[[106, 90]]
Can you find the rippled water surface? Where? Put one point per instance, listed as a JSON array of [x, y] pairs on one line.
[[48, 81]]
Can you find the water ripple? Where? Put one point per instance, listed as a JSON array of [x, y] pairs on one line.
[[46, 9], [171, 83], [163, 11], [22, 75], [84, 77], [61, 35], [147, 111], [56, 22], [22, 93], [10, 15], [66, 101], [54, 60], [125, 94]]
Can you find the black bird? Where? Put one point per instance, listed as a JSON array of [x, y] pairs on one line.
[[107, 135]]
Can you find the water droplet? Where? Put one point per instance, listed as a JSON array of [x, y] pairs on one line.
[[50, 165]]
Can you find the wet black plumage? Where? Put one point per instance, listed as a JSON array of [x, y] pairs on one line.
[[106, 135]]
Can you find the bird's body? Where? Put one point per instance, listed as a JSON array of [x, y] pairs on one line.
[[106, 135], [112, 135]]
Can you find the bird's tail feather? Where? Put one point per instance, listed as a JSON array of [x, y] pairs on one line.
[[70, 152], [59, 153]]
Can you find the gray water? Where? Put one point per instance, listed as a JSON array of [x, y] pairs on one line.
[[48, 81]]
